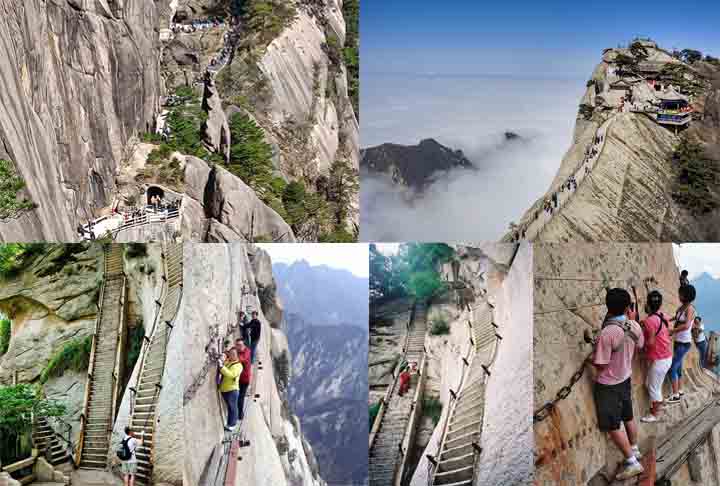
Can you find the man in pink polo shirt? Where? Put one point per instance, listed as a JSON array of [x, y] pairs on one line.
[[614, 350]]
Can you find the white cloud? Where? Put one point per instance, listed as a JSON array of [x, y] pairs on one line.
[[697, 258], [352, 257]]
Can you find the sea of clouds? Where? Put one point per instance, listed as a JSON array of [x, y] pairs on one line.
[[471, 114]]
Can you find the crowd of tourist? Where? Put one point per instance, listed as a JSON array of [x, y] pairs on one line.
[[665, 342], [196, 25]]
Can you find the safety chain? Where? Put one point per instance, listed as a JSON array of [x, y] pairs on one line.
[[544, 412]]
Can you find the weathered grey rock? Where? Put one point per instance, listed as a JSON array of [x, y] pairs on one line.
[[270, 302], [216, 129], [79, 80]]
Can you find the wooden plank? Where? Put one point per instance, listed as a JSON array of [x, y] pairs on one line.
[[649, 464], [15, 466], [232, 464], [684, 438]]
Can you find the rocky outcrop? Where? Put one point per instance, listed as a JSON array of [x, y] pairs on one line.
[[627, 196], [570, 284], [219, 207], [215, 277], [80, 79], [413, 166]]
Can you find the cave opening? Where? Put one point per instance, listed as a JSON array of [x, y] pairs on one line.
[[153, 191]]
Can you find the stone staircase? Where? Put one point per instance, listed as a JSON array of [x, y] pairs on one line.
[[460, 444], [152, 368], [99, 411], [48, 444], [385, 453]]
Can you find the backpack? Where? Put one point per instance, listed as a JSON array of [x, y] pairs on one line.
[[627, 330], [123, 452], [663, 322]]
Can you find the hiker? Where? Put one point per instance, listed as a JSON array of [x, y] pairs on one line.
[[231, 369], [253, 331], [405, 377], [612, 358], [244, 357], [684, 317], [128, 466], [658, 352], [698, 334], [684, 278]]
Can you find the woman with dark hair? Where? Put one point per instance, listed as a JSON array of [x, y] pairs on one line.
[[658, 353], [682, 334], [698, 334]]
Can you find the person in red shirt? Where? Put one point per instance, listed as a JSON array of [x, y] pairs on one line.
[[658, 353], [246, 375], [615, 347], [405, 376]]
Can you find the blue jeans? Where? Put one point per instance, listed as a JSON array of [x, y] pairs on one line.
[[231, 400], [241, 400], [679, 352], [702, 347], [253, 345]]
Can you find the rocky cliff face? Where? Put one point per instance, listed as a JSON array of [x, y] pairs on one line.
[[628, 194], [278, 454], [79, 79], [412, 166], [569, 294]]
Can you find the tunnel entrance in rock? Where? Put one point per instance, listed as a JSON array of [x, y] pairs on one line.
[[154, 191]]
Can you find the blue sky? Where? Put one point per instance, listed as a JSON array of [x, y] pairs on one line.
[[352, 257], [546, 39]]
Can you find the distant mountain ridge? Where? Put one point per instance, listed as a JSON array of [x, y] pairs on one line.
[[322, 295], [706, 303], [412, 166]]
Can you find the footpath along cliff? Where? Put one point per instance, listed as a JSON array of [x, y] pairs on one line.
[[619, 180]]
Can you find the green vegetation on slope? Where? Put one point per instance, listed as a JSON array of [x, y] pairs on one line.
[[439, 326], [413, 271], [134, 345], [16, 256], [432, 408], [372, 412], [74, 355], [5, 334], [697, 177], [351, 52], [10, 184]]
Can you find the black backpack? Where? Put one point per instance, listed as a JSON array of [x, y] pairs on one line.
[[627, 331], [663, 322], [124, 453]]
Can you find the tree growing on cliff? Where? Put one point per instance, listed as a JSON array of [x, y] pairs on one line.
[[424, 285], [251, 155], [20, 403], [690, 55], [10, 184], [697, 178], [5, 333]]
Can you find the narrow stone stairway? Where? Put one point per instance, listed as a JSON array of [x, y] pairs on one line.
[[385, 451], [99, 409], [153, 365], [48, 444], [460, 446]]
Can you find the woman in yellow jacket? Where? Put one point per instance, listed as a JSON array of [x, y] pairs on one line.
[[231, 369]]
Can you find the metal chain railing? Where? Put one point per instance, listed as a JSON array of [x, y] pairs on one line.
[[543, 412]]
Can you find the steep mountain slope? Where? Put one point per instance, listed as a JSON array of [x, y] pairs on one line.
[[321, 295], [328, 390], [413, 166], [326, 321], [626, 192], [79, 79]]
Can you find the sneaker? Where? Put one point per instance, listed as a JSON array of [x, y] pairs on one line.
[[682, 394], [227, 429], [630, 471], [636, 449], [673, 399], [650, 418]]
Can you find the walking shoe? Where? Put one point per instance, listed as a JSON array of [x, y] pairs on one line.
[[636, 449], [630, 471], [673, 399], [650, 418], [682, 394]]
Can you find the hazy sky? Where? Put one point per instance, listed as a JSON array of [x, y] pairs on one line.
[[347, 256], [697, 258], [527, 38]]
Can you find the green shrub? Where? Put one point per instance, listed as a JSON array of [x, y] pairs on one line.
[[16, 256], [696, 178], [74, 355], [351, 54], [439, 326], [135, 341], [586, 111], [372, 412], [5, 333], [251, 155], [425, 284], [432, 408], [135, 250], [151, 137], [10, 184]]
